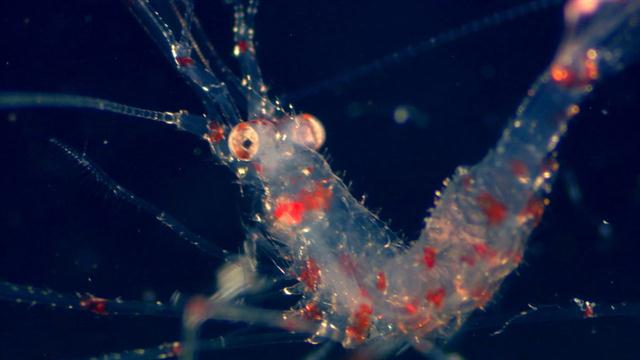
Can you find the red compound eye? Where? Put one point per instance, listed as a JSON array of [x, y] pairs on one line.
[[244, 142], [308, 131]]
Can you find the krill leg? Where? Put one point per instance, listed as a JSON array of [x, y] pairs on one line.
[[169, 350], [244, 49], [24, 294], [212, 92]]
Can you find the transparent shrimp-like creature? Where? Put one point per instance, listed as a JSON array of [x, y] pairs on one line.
[[355, 281]]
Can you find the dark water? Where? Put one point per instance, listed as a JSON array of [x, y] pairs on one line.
[[63, 231]]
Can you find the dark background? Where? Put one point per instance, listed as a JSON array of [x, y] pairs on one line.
[[61, 230]]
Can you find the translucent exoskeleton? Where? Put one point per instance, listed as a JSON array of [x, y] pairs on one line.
[[106, 257]]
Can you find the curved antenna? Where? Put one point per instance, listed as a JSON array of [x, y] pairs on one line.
[[17, 100], [411, 51], [163, 218]]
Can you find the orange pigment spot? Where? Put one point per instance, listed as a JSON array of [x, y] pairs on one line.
[[494, 210], [561, 75], [567, 78], [316, 199], [289, 212], [591, 69], [578, 8]]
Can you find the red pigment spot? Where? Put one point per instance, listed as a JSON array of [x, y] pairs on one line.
[[494, 210], [95, 305], [410, 308], [467, 182], [185, 61], [468, 259], [312, 312], [429, 256], [588, 310], [316, 199], [310, 276], [365, 293], [360, 323], [288, 325], [289, 212], [258, 167], [381, 281], [176, 348], [550, 165], [484, 251], [261, 121], [242, 46], [436, 297], [216, 132], [533, 209], [481, 296], [347, 264], [196, 311], [519, 168], [517, 258]]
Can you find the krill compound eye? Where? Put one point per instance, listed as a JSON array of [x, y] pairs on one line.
[[308, 131], [244, 142]]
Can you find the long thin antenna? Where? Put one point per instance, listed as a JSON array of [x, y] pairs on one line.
[[414, 50]]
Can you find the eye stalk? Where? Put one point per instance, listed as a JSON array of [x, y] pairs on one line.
[[244, 142]]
